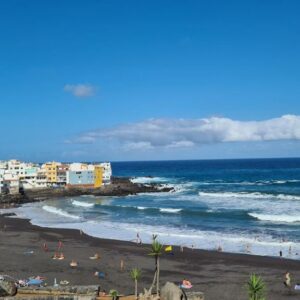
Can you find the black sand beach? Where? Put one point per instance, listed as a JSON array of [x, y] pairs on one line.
[[218, 275]]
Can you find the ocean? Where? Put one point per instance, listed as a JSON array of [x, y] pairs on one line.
[[244, 206]]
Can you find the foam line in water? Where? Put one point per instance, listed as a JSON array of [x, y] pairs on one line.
[[252, 195], [170, 210], [148, 179], [60, 212], [259, 182], [82, 204]]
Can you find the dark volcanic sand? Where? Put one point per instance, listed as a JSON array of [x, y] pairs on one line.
[[221, 276]]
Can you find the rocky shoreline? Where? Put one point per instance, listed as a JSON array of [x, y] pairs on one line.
[[120, 186]]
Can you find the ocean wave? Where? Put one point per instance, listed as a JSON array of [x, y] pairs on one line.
[[82, 204], [177, 188], [58, 211], [170, 210], [260, 242], [142, 207], [231, 242], [258, 182], [252, 195], [275, 218], [163, 210]]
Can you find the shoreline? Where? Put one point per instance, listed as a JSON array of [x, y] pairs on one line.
[[218, 274], [120, 186]]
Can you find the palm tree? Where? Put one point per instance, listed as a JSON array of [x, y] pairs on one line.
[[256, 288], [114, 294], [135, 274], [156, 251]]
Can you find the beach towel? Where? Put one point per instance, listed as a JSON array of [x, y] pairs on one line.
[[34, 282], [100, 275], [297, 287]]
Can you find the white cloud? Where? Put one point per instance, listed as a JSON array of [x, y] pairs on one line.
[[176, 133], [80, 90]]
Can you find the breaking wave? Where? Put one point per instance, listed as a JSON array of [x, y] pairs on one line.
[[259, 182], [82, 204], [59, 212], [276, 218], [252, 195], [170, 210]]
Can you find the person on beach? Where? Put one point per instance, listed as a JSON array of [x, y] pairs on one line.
[[73, 264], [60, 245], [138, 239], [122, 265], [280, 254], [186, 284], [61, 256], [248, 250], [287, 280], [45, 247], [181, 248], [96, 256]]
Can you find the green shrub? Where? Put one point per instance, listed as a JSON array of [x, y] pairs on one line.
[[256, 288]]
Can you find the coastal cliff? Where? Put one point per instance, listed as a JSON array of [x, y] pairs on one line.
[[120, 186]]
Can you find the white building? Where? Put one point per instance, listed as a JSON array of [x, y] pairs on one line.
[[1, 180], [11, 183], [3, 165], [107, 172], [16, 167], [41, 179]]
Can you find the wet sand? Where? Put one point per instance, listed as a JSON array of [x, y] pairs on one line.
[[219, 275]]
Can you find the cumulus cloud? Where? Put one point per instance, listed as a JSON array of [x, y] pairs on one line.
[[179, 133], [80, 90]]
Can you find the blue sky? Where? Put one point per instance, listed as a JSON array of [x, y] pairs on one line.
[[75, 76]]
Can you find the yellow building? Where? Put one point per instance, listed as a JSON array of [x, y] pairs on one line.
[[51, 171], [98, 172]]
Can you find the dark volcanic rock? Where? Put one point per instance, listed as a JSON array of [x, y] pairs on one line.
[[120, 186]]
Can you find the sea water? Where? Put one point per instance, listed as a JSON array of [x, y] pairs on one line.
[[242, 206]]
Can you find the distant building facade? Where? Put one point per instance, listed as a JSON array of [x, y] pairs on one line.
[[16, 176]]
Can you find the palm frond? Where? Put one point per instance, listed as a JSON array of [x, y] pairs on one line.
[[135, 274]]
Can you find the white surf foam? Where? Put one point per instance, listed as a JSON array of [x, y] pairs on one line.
[[60, 212], [148, 179], [142, 207], [170, 210], [82, 204], [253, 195], [177, 188], [260, 244], [259, 182], [276, 218]]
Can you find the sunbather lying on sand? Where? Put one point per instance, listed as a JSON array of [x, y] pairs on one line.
[[73, 264], [186, 284], [99, 275], [58, 256], [96, 256]]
